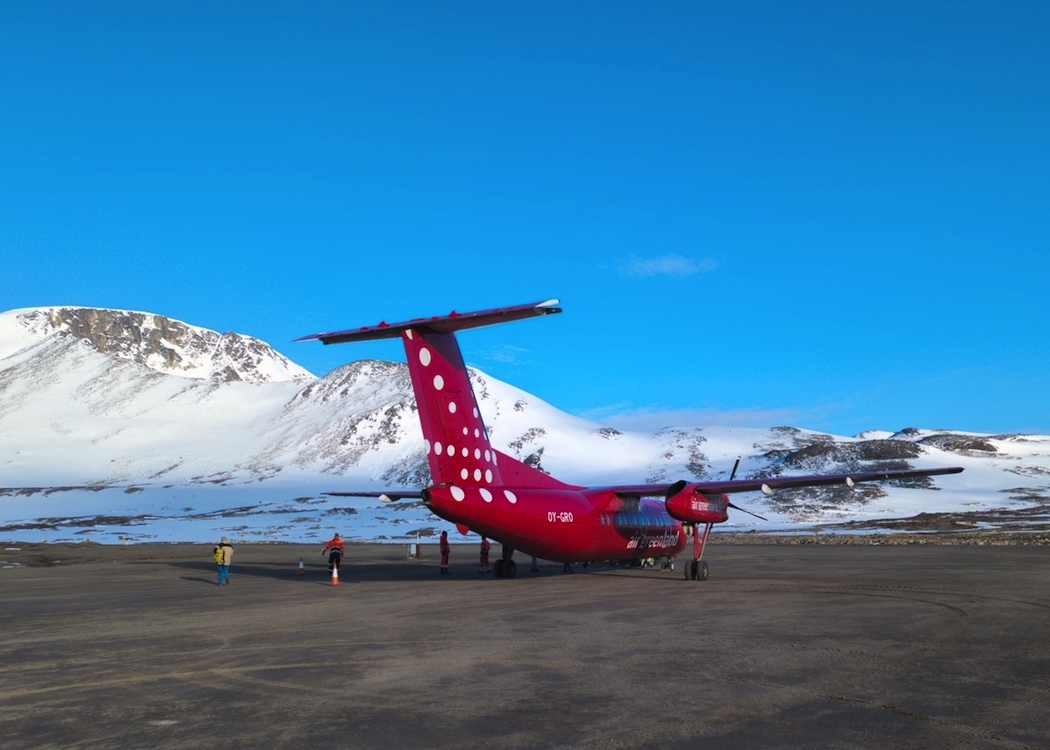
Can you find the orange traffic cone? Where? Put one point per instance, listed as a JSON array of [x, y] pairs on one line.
[[302, 569], [335, 576]]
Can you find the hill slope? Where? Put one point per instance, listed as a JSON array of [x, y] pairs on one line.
[[116, 423]]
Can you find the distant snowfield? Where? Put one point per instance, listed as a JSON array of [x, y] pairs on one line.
[[295, 509], [122, 437], [274, 512]]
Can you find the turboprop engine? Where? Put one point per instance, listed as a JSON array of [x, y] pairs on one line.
[[687, 504]]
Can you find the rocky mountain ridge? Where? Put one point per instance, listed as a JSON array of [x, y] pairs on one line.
[[107, 399], [162, 344]]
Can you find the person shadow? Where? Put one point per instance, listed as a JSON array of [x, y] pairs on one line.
[[274, 571]]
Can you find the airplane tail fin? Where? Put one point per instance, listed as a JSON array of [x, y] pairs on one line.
[[457, 443]]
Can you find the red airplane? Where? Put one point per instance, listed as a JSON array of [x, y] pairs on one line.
[[480, 489]]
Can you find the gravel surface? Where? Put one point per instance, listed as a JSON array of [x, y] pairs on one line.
[[830, 645]]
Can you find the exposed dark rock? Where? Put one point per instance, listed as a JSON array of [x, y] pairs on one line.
[[818, 455], [167, 345], [529, 436], [683, 447], [959, 443], [535, 460]]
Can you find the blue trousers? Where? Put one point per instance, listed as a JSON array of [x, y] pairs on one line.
[[224, 574]]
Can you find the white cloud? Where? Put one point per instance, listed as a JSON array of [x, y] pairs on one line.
[[506, 354], [666, 265], [650, 419]]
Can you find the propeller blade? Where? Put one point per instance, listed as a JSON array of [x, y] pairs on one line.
[[744, 510]]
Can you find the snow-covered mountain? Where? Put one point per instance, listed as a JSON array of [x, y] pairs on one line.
[[126, 424], [162, 344]]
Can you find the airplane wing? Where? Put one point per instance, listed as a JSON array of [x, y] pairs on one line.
[[767, 485]]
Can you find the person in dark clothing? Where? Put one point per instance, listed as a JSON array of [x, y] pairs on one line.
[[445, 548], [483, 566]]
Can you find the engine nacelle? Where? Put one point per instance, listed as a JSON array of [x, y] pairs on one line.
[[691, 506]]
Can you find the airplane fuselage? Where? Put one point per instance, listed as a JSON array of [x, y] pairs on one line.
[[567, 525]]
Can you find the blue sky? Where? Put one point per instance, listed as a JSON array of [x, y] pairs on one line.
[[820, 214]]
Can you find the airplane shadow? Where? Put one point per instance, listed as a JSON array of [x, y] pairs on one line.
[[349, 572], [317, 575], [271, 571], [204, 572]]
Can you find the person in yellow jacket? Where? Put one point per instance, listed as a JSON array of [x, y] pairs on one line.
[[223, 557]]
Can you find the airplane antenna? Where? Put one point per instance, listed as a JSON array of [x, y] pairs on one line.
[[732, 476]]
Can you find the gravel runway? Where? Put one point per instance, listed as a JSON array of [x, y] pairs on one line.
[[785, 646]]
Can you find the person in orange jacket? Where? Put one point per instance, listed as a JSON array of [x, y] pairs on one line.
[[335, 550], [445, 548], [484, 565]]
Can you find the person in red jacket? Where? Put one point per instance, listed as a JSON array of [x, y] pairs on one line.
[[443, 545], [335, 550], [484, 566]]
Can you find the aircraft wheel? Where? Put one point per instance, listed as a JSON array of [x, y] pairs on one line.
[[703, 570], [510, 568], [687, 568], [497, 568]]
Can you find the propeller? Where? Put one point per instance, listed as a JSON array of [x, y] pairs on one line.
[[744, 510], [732, 476]]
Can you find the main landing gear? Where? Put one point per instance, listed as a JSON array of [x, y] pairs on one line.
[[696, 569], [505, 567]]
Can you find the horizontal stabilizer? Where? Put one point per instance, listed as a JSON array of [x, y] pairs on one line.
[[440, 324], [387, 496]]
